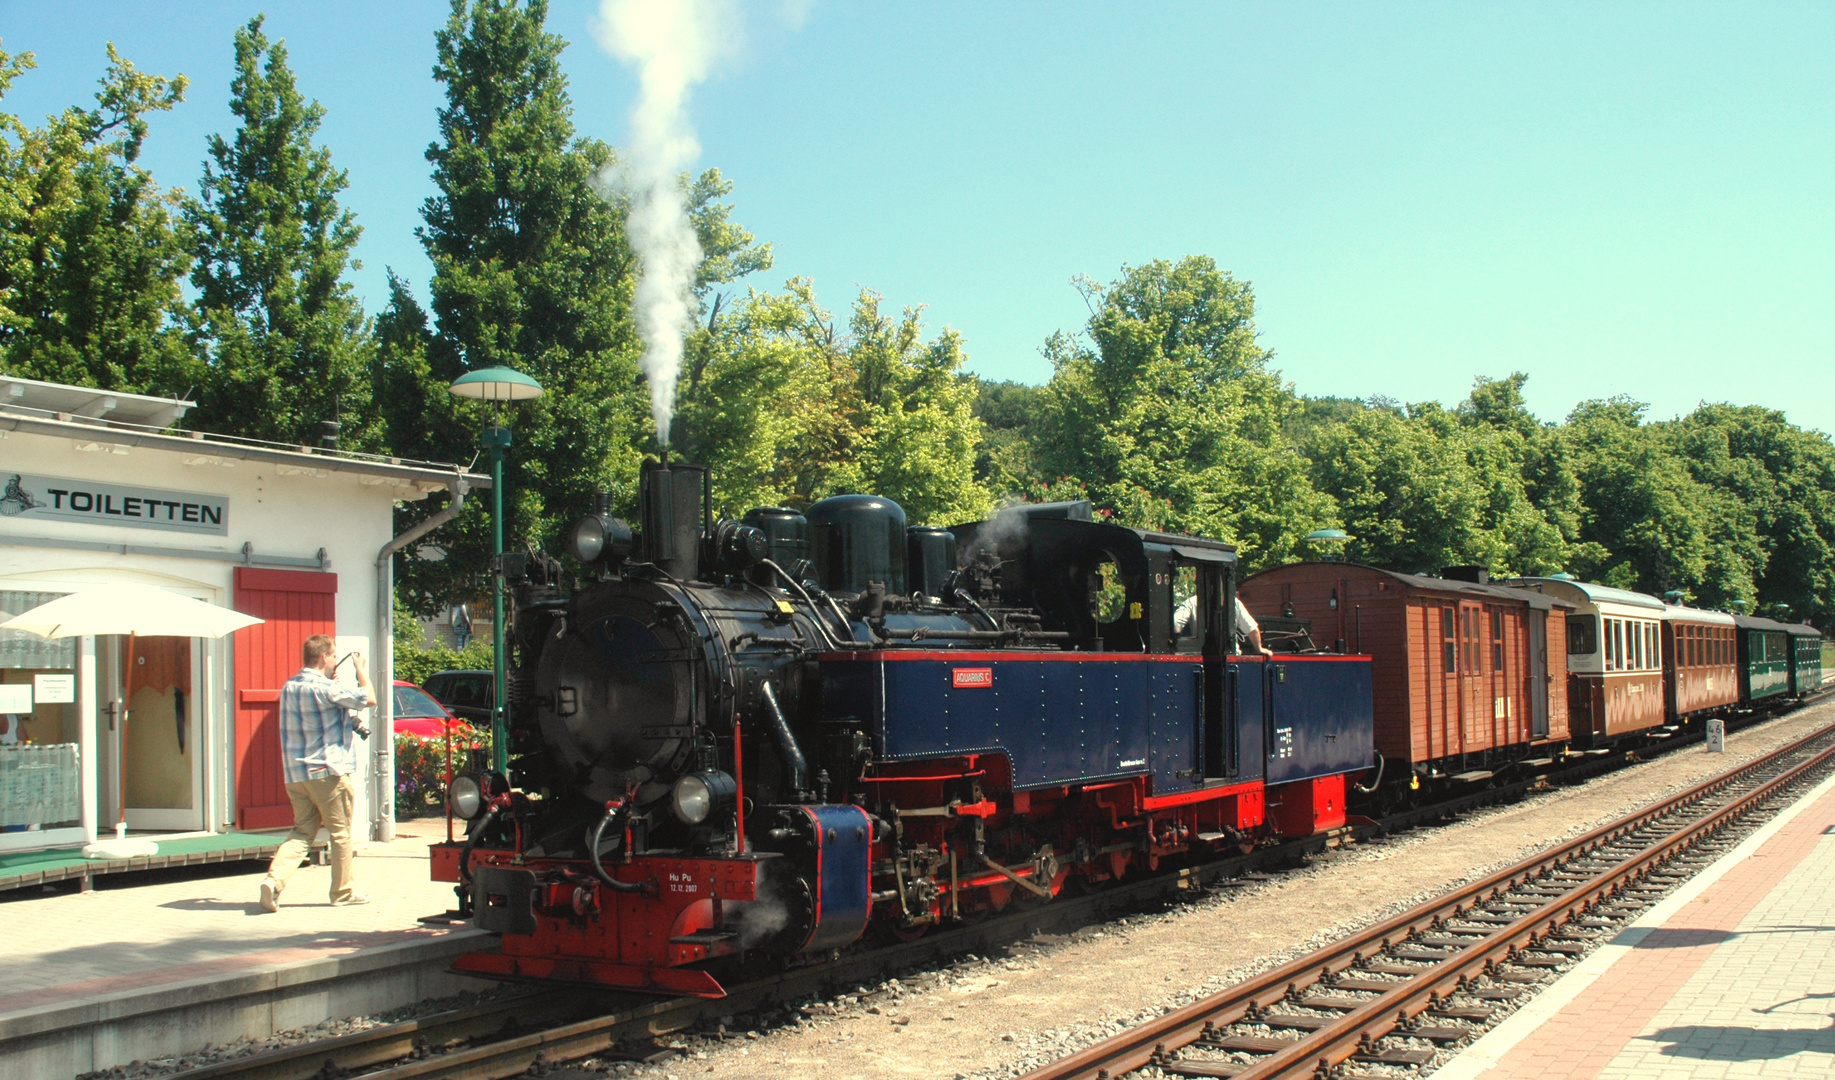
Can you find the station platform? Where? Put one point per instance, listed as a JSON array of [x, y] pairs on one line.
[[95, 979], [1733, 975]]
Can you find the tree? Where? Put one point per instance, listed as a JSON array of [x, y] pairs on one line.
[[794, 409], [532, 271], [282, 338], [1169, 412], [91, 253], [1772, 489], [1011, 415], [1641, 509]]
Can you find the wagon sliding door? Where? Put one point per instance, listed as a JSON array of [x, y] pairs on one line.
[[1474, 685], [1535, 687]]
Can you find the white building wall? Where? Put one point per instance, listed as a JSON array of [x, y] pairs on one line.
[[280, 510]]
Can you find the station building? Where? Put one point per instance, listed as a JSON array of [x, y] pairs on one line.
[[98, 488]]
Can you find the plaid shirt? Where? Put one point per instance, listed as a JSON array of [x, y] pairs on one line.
[[318, 725]]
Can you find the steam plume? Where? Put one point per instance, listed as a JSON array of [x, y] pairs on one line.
[[670, 43]]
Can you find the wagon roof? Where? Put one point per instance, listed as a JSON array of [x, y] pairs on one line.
[[1594, 594], [1446, 585], [1753, 622], [1695, 614]]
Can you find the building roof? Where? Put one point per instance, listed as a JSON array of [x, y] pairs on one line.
[[141, 410], [98, 419]]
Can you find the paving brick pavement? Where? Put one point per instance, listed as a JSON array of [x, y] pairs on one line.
[[76, 945], [1732, 976]]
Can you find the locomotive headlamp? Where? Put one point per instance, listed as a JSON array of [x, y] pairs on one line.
[[465, 797], [471, 794], [697, 795], [599, 537]]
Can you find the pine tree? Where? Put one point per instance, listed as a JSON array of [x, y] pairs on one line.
[[91, 251], [282, 334]]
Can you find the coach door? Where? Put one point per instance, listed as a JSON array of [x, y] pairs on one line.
[[1535, 688]]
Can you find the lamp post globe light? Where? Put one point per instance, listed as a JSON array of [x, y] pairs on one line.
[[497, 385], [1332, 541]]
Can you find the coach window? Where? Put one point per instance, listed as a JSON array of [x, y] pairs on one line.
[[1582, 635], [1449, 641]]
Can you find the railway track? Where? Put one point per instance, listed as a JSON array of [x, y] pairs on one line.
[[505, 1037], [1393, 994]]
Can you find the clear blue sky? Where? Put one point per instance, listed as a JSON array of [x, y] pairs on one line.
[[1613, 198]]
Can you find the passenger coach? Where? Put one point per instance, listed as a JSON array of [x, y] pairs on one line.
[[1614, 659], [1699, 662]]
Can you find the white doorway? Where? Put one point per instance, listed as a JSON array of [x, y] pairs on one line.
[[158, 730]]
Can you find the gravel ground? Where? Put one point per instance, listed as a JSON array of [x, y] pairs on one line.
[[999, 1016]]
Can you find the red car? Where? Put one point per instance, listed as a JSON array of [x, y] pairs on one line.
[[418, 714]]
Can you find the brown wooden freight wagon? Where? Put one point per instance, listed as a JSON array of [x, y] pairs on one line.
[[1468, 676]]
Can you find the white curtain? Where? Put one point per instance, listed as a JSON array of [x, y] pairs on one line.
[[19, 649]]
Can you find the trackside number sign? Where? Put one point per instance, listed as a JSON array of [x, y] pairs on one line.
[[971, 678]]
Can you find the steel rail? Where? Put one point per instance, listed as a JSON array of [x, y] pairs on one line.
[[632, 1015], [1319, 1051]]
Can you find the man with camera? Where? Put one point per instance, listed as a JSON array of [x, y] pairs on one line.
[[319, 728]]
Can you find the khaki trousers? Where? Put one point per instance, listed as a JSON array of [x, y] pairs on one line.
[[326, 801]]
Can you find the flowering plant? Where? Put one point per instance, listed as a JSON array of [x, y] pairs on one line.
[[421, 765]]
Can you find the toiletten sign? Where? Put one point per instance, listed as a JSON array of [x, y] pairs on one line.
[[24, 495]]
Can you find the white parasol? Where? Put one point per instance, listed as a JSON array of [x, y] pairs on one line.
[[128, 609], [136, 611]]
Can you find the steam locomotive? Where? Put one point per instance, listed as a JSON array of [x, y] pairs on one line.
[[763, 738]]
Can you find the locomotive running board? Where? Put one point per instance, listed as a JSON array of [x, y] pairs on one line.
[[682, 982]]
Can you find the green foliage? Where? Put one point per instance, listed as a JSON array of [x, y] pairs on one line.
[[416, 657], [1010, 415], [91, 250], [1420, 490], [530, 271], [1170, 413], [281, 335], [793, 409]]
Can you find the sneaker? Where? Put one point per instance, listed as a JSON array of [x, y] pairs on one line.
[[270, 896], [352, 900]]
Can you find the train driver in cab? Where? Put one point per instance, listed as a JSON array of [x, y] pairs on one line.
[[1248, 631]]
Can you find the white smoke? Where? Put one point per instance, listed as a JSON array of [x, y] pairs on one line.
[[671, 44]]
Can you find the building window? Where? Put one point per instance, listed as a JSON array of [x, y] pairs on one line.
[[40, 723]]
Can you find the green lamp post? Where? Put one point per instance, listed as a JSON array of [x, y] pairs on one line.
[[497, 385]]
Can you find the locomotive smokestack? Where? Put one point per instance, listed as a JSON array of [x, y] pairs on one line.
[[669, 497]]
